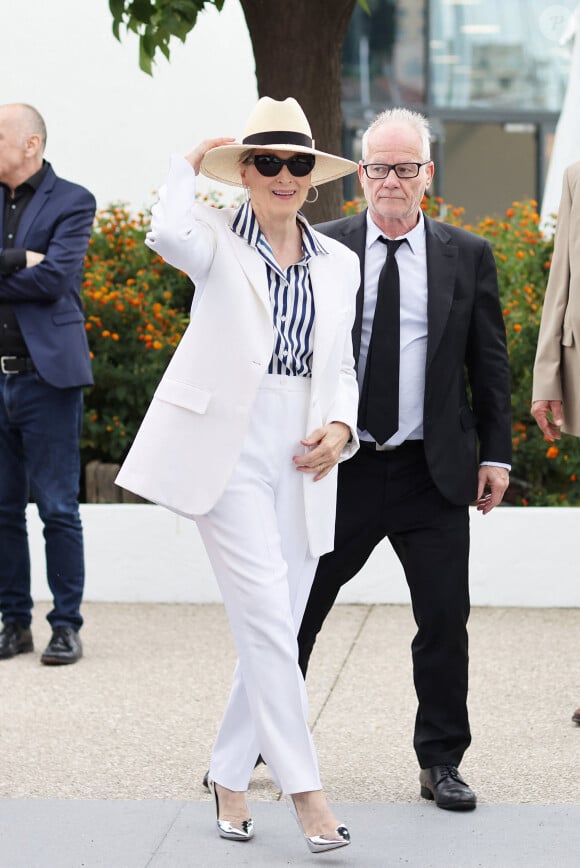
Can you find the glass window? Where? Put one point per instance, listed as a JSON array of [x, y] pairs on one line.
[[502, 54], [383, 54]]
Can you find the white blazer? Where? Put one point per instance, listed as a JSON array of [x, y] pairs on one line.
[[191, 437]]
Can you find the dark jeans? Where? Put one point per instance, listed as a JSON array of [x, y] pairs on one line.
[[39, 453], [391, 494]]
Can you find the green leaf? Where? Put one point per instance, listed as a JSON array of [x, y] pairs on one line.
[[148, 42], [117, 8], [142, 10], [145, 59]]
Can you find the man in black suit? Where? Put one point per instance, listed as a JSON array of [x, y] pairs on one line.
[[414, 477]]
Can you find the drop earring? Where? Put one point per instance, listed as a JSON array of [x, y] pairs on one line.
[[312, 201]]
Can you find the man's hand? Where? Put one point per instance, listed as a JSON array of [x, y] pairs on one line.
[[33, 258], [325, 446], [550, 428], [492, 485]]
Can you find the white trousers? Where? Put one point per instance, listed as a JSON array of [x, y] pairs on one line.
[[256, 540]]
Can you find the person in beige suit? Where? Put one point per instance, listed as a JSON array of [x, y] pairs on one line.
[[245, 430], [556, 387]]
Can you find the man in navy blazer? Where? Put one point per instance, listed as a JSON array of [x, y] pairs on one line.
[[450, 441], [45, 226]]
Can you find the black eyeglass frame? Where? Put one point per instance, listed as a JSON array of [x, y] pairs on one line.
[[394, 167], [296, 161]]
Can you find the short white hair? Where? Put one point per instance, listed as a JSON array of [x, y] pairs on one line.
[[393, 116]]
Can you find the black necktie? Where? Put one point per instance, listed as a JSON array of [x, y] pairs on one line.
[[379, 402]]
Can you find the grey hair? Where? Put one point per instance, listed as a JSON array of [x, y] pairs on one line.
[[400, 116]]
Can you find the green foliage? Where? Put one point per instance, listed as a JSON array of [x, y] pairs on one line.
[[543, 474], [155, 22], [136, 310]]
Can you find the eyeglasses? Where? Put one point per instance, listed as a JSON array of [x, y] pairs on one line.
[[380, 171], [269, 165]]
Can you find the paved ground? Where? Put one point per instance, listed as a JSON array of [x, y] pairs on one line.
[[101, 763]]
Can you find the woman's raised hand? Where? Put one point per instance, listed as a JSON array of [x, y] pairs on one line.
[[195, 157]]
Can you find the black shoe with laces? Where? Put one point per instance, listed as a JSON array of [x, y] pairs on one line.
[[15, 639], [446, 787], [64, 647]]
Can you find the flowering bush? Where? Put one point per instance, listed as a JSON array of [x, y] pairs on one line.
[[542, 473], [136, 310]]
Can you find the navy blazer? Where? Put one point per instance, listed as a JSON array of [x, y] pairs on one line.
[[46, 298], [466, 345]]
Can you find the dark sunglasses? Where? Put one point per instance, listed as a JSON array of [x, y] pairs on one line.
[[268, 165]]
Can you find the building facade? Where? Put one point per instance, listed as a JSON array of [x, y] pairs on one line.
[[491, 75]]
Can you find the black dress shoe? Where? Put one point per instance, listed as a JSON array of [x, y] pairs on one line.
[[64, 647], [576, 716], [14, 640], [445, 785]]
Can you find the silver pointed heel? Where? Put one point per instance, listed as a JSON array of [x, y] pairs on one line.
[[320, 843], [225, 829]]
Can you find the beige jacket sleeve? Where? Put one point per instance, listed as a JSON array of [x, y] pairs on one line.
[[557, 364]]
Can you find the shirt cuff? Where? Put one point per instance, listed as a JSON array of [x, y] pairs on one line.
[[12, 259], [495, 464]]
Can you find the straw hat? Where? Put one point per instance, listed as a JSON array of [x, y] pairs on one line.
[[278, 125]]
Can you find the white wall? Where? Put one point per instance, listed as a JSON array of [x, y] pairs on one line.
[[520, 556], [110, 126]]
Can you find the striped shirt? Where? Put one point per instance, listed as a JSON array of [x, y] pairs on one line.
[[290, 293]]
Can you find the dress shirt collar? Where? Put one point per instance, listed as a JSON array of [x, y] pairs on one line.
[[32, 183], [415, 237], [247, 227]]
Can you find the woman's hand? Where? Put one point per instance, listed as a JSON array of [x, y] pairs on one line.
[[195, 157], [325, 447]]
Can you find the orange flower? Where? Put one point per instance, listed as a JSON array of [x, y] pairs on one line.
[[552, 452], [517, 327]]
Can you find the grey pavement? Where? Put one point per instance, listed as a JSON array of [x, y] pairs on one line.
[[101, 762]]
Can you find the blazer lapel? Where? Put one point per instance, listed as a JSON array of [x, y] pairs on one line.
[[253, 267], [354, 235], [441, 270], [324, 276], [38, 201]]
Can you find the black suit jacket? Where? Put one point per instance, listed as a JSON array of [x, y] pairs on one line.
[[46, 298], [466, 346]]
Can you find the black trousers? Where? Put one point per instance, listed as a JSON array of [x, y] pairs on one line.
[[391, 494]]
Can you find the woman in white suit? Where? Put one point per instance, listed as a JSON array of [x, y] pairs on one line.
[[246, 428]]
